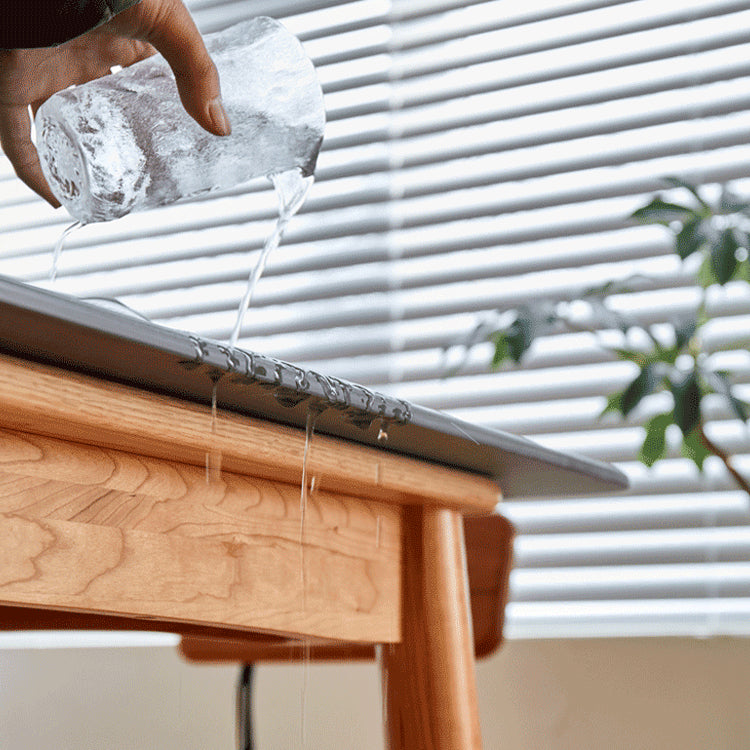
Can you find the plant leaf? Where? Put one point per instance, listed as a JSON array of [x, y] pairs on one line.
[[687, 402], [684, 330], [613, 286], [667, 354], [690, 238], [730, 202], [721, 384], [694, 448], [706, 276], [501, 352], [520, 336], [643, 384], [614, 404], [659, 211], [631, 356], [679, 182], [655, 445], [723, 256], [743, 270], [607, 317]]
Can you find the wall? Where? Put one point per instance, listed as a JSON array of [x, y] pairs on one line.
[[640, 694], [546, 695]]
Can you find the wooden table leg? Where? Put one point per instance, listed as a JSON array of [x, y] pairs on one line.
[[429, 678]]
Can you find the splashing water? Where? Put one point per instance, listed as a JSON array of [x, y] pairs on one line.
[[291, 190], [213, 458], [57, 252], [309, 429]]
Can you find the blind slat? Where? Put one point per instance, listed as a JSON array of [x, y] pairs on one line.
[[496, 15], [481, 156], [483, 44], [725, 579], [701, 617], [486, 77], [644, 547], [591, 89]]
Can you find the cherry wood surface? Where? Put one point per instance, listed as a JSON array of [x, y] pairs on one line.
[[45, 400], [489, 542], [119, 505], [104, 531], [428, 676]]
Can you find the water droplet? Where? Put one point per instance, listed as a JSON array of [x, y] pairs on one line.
[[329, 391], [201, 349], [288, 397], [300, 378], [382, 435], [234, 362]]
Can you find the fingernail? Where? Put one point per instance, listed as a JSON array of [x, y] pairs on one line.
[[218, 116]]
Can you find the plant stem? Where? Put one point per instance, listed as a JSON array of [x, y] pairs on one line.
[[724, 456]]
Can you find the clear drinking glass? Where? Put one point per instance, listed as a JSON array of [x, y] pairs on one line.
[[124, 142]]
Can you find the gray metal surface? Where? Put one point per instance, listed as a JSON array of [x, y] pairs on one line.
[[102, 341]]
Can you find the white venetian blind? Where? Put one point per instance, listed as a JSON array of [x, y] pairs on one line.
[[481, 155]]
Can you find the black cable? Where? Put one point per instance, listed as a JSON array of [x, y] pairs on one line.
[[245, 708]]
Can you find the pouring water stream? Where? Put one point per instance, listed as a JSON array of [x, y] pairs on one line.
[[291, 190]]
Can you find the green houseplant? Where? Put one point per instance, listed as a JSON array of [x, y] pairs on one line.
[[712, 237]]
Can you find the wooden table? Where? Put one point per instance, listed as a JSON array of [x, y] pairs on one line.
[[106, 508], [121, 503]]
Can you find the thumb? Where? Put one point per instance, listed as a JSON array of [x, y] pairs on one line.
[[174, 34]]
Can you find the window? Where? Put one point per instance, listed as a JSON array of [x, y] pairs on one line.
[[480, 155]]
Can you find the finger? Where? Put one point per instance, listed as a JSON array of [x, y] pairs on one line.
[[176, 36], [93, 56], [15, 138], [124, 52]]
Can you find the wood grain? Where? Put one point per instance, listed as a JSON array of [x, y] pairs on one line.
[[429, 677], [106, 509], [489, 560], [100, 530], [489, 545], [202, 649], [49, 401]]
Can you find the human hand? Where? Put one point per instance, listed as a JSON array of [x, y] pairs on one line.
[[28, 77]]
